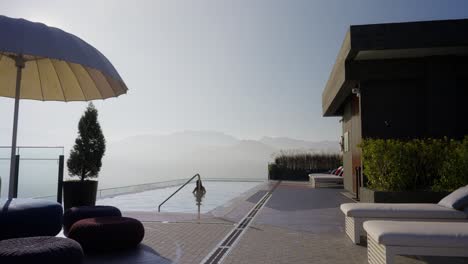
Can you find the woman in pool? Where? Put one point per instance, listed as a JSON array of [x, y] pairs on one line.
[[199, 187], [199, 193]]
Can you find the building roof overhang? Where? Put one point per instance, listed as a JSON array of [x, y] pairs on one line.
[[394, 41]]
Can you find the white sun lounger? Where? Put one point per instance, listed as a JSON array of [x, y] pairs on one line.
[[357, 213], [445, 210], [389, 238], [317, 179]]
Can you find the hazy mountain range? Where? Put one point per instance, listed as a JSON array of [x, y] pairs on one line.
[[156, 158], [152, 158], [208, 144]]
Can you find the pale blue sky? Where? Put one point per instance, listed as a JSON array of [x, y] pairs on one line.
[[249, 68]]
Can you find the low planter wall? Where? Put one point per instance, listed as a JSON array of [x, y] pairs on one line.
[[371, 196]]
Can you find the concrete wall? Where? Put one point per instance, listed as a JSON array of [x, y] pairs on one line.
[[433, 105], [424, 98], [352, 157]]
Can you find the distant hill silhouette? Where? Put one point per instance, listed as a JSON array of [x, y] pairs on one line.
[[151, 158], [290, 143]]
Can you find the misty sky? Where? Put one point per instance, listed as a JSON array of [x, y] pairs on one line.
[[249, 68]]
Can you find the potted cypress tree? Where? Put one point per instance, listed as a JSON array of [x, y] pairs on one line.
[[85, 161]]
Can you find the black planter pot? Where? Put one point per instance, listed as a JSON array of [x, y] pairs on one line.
[[79, 193]]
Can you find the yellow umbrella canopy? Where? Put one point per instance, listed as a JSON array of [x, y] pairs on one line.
[[49, 79], [45, 63]]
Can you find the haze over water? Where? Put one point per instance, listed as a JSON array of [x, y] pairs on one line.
[[158, 158]]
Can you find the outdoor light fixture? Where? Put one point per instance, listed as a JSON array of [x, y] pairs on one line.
[[356, 91]]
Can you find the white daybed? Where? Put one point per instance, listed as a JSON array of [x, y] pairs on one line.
[[316, 179], [449, 209], [389, 238], [357, 213]]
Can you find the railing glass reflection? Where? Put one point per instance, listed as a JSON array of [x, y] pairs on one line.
[[37, 174]]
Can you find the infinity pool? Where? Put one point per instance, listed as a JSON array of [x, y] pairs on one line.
[[218, 193]]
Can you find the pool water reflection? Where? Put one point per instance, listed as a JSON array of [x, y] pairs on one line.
[[217, 193]]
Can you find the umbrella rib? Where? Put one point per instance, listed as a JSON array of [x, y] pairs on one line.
[[60, 82], [108, 83], [77, 81], [40, 81], [91, 77], [113, 89]]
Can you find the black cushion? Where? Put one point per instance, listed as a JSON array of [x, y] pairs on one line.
[[107, 233], [51, 250], [29, 217], [75, 214]]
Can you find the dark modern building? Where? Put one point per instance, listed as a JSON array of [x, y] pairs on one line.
[[398, 80]]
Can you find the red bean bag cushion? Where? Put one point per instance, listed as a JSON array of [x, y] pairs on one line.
[[75, 214], [33, 250], [100, 234]]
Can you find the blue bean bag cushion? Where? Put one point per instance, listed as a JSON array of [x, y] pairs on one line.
[[102, 234], [76, 214], [29, 217], [50, 250]]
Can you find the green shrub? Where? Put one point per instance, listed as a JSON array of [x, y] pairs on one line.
[[398, 165], [454, 169], [384, 164]]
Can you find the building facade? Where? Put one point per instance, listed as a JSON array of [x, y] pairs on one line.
[[398, 80]]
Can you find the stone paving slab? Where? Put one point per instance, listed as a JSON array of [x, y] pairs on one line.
[[298, 224], [301, 208], [140, 255], [269, 244], [185, 242], [242, 205], [165, 217], [304, 225]]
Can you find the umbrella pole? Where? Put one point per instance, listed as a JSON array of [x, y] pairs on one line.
[[13, 175]]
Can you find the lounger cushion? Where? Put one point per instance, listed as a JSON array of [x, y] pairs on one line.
[[407, 211], [419, 234], [325, 178], [458, 199], [29, 217]]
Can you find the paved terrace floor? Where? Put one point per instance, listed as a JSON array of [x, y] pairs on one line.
[[298, 224]]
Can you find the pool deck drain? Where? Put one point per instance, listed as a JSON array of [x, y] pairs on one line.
[[217, 255]]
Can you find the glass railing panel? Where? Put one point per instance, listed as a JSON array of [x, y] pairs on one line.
[[4, 171], [37, 173], [110, 192], [37, 178]]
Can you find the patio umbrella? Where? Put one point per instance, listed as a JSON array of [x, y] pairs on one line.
[[44, 63]]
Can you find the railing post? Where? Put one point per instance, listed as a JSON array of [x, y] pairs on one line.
[[183, 185], [15, 178], [60, 179]]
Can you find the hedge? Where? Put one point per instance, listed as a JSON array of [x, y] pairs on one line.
[[296, 166], [417, 164]]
